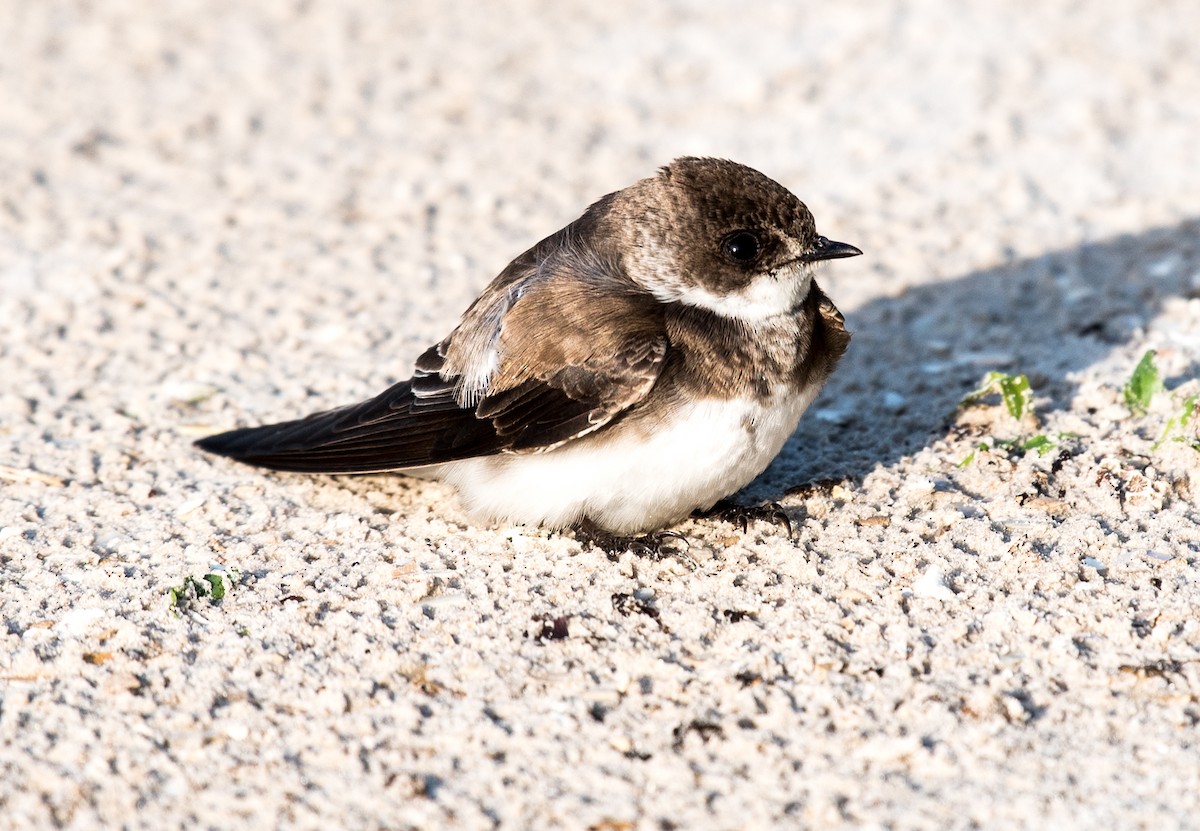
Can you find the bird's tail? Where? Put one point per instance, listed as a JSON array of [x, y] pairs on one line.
[[393, 431]]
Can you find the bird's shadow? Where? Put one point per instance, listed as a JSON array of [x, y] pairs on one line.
[[915, 356]]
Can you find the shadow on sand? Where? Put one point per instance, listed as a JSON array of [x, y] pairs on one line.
[[1048, 316]]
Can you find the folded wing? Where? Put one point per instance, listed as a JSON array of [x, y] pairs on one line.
[[552, 357]]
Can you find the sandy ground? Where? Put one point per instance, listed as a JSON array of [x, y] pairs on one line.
[[215, 214]]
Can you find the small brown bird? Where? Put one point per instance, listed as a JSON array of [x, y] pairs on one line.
[[644, 362]]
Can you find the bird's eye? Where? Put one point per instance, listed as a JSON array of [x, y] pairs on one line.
[[741, 247]]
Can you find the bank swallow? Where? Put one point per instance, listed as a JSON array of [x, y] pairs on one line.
[[646, 361]]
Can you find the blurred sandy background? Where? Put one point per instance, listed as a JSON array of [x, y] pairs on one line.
[[215, 214]]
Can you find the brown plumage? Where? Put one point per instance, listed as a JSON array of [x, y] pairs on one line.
[[688, 286]]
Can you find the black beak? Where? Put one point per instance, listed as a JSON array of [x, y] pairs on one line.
[[827, 249]]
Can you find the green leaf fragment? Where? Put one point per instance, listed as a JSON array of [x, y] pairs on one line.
[[1043, 444], [213, 585], [218, 586], [1179, 423], [1142, 384], [986, 387], [1014, 392], [1018, 398]]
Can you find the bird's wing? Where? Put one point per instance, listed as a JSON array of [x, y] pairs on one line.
[[561, 356], [394, 430]]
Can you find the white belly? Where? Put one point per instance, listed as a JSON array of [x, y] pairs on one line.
[[630, 479]]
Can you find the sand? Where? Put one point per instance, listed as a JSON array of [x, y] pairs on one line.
[[216, 214]]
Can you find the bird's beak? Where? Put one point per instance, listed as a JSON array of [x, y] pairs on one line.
[[827, 249]]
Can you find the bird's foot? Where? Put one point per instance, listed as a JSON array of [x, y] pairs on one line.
[[743, 515], [657, 545]]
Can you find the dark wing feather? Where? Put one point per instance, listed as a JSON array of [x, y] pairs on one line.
[[395, 430], [554, 383], [576, 398], [418, 422]]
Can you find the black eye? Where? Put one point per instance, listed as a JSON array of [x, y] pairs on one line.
[[741, 247]]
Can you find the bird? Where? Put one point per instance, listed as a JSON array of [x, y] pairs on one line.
[[643, 363]]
